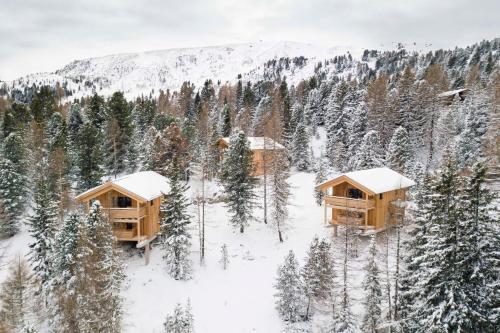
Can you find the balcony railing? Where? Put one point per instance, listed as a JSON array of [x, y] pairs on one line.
[[125, 214], [349, 203]]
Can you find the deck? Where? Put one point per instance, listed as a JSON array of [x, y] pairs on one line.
[[349, 203], [127, 223]]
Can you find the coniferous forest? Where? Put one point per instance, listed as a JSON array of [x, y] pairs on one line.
[[432, 117]]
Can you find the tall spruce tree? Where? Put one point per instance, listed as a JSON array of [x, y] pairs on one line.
[[480, 248], [399, 152], [443, 303], [239, 184], [42, 227], [12, 190], [370, 154], [300, 148], [174, 222], [318, 273], [289, 296], [99, 276], [89, 157]]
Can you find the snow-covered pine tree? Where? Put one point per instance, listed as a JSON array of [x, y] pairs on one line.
[[373, 291], [16, 297], [238, 183], [225, 127], [370, 154], [89, 157], [318, 273], [470, 142], [65, 258], [320, 176], [442, 305], [176, 240], [399, 153], [300, 148], [12, 191], [356, 132], [480, 252], [224, 256], [101, 274], [42, 227], [289, 296], [280, 191], [180, 321]]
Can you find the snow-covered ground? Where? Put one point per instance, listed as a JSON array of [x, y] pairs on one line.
[[239, 299]]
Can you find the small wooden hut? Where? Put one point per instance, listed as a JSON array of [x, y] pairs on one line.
[[370, 199], [262, 147], [132, 204], [447, 97]]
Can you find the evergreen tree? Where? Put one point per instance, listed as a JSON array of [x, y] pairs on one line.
[[89, 157], [96, 111], [370, 154], [300, 148], [226, 120], [480, 247], [357, 130], [399, 153], [318, 273], [280, 191], [443, 304], [289, 290], [174, 222], [12, 190], [99, 276], [67, 251], [180, 321], [43, 225], [118, 134], [373, 289], [239, 184]]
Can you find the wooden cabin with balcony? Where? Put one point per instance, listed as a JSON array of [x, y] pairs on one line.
[[262, 147], [370, 199], [132, 204]]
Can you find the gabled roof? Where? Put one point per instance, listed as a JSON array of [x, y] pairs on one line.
[[144, 186], [452, 92], [373, 181], [258, 143]]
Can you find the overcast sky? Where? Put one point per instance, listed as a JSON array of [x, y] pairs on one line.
[[44, 35]]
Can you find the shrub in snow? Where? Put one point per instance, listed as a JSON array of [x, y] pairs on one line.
[[180, 321]]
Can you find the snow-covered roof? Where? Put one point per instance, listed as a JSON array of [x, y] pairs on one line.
[[147, 185], [452, 92], [258, 143], [377, 180]]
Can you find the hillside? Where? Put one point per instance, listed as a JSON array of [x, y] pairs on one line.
[[141, 73]]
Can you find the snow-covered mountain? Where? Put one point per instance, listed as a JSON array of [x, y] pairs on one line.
[[140, 73]]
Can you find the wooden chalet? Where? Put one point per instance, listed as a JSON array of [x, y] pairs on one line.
[[447, 97], [367, 199], [132, 204], [262, 149]]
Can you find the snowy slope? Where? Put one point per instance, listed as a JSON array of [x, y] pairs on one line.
[[139, 73]]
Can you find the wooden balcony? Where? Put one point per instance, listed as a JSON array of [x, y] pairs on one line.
[[127, 215], [349, 203], [124, 234], [352, 221]]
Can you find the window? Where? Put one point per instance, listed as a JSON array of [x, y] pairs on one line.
[[354, 193], [124, 202], [380, 196], [151, 203]]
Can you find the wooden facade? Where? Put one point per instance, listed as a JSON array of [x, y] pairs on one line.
[[262, 148], [350, 202], [134, 215]]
